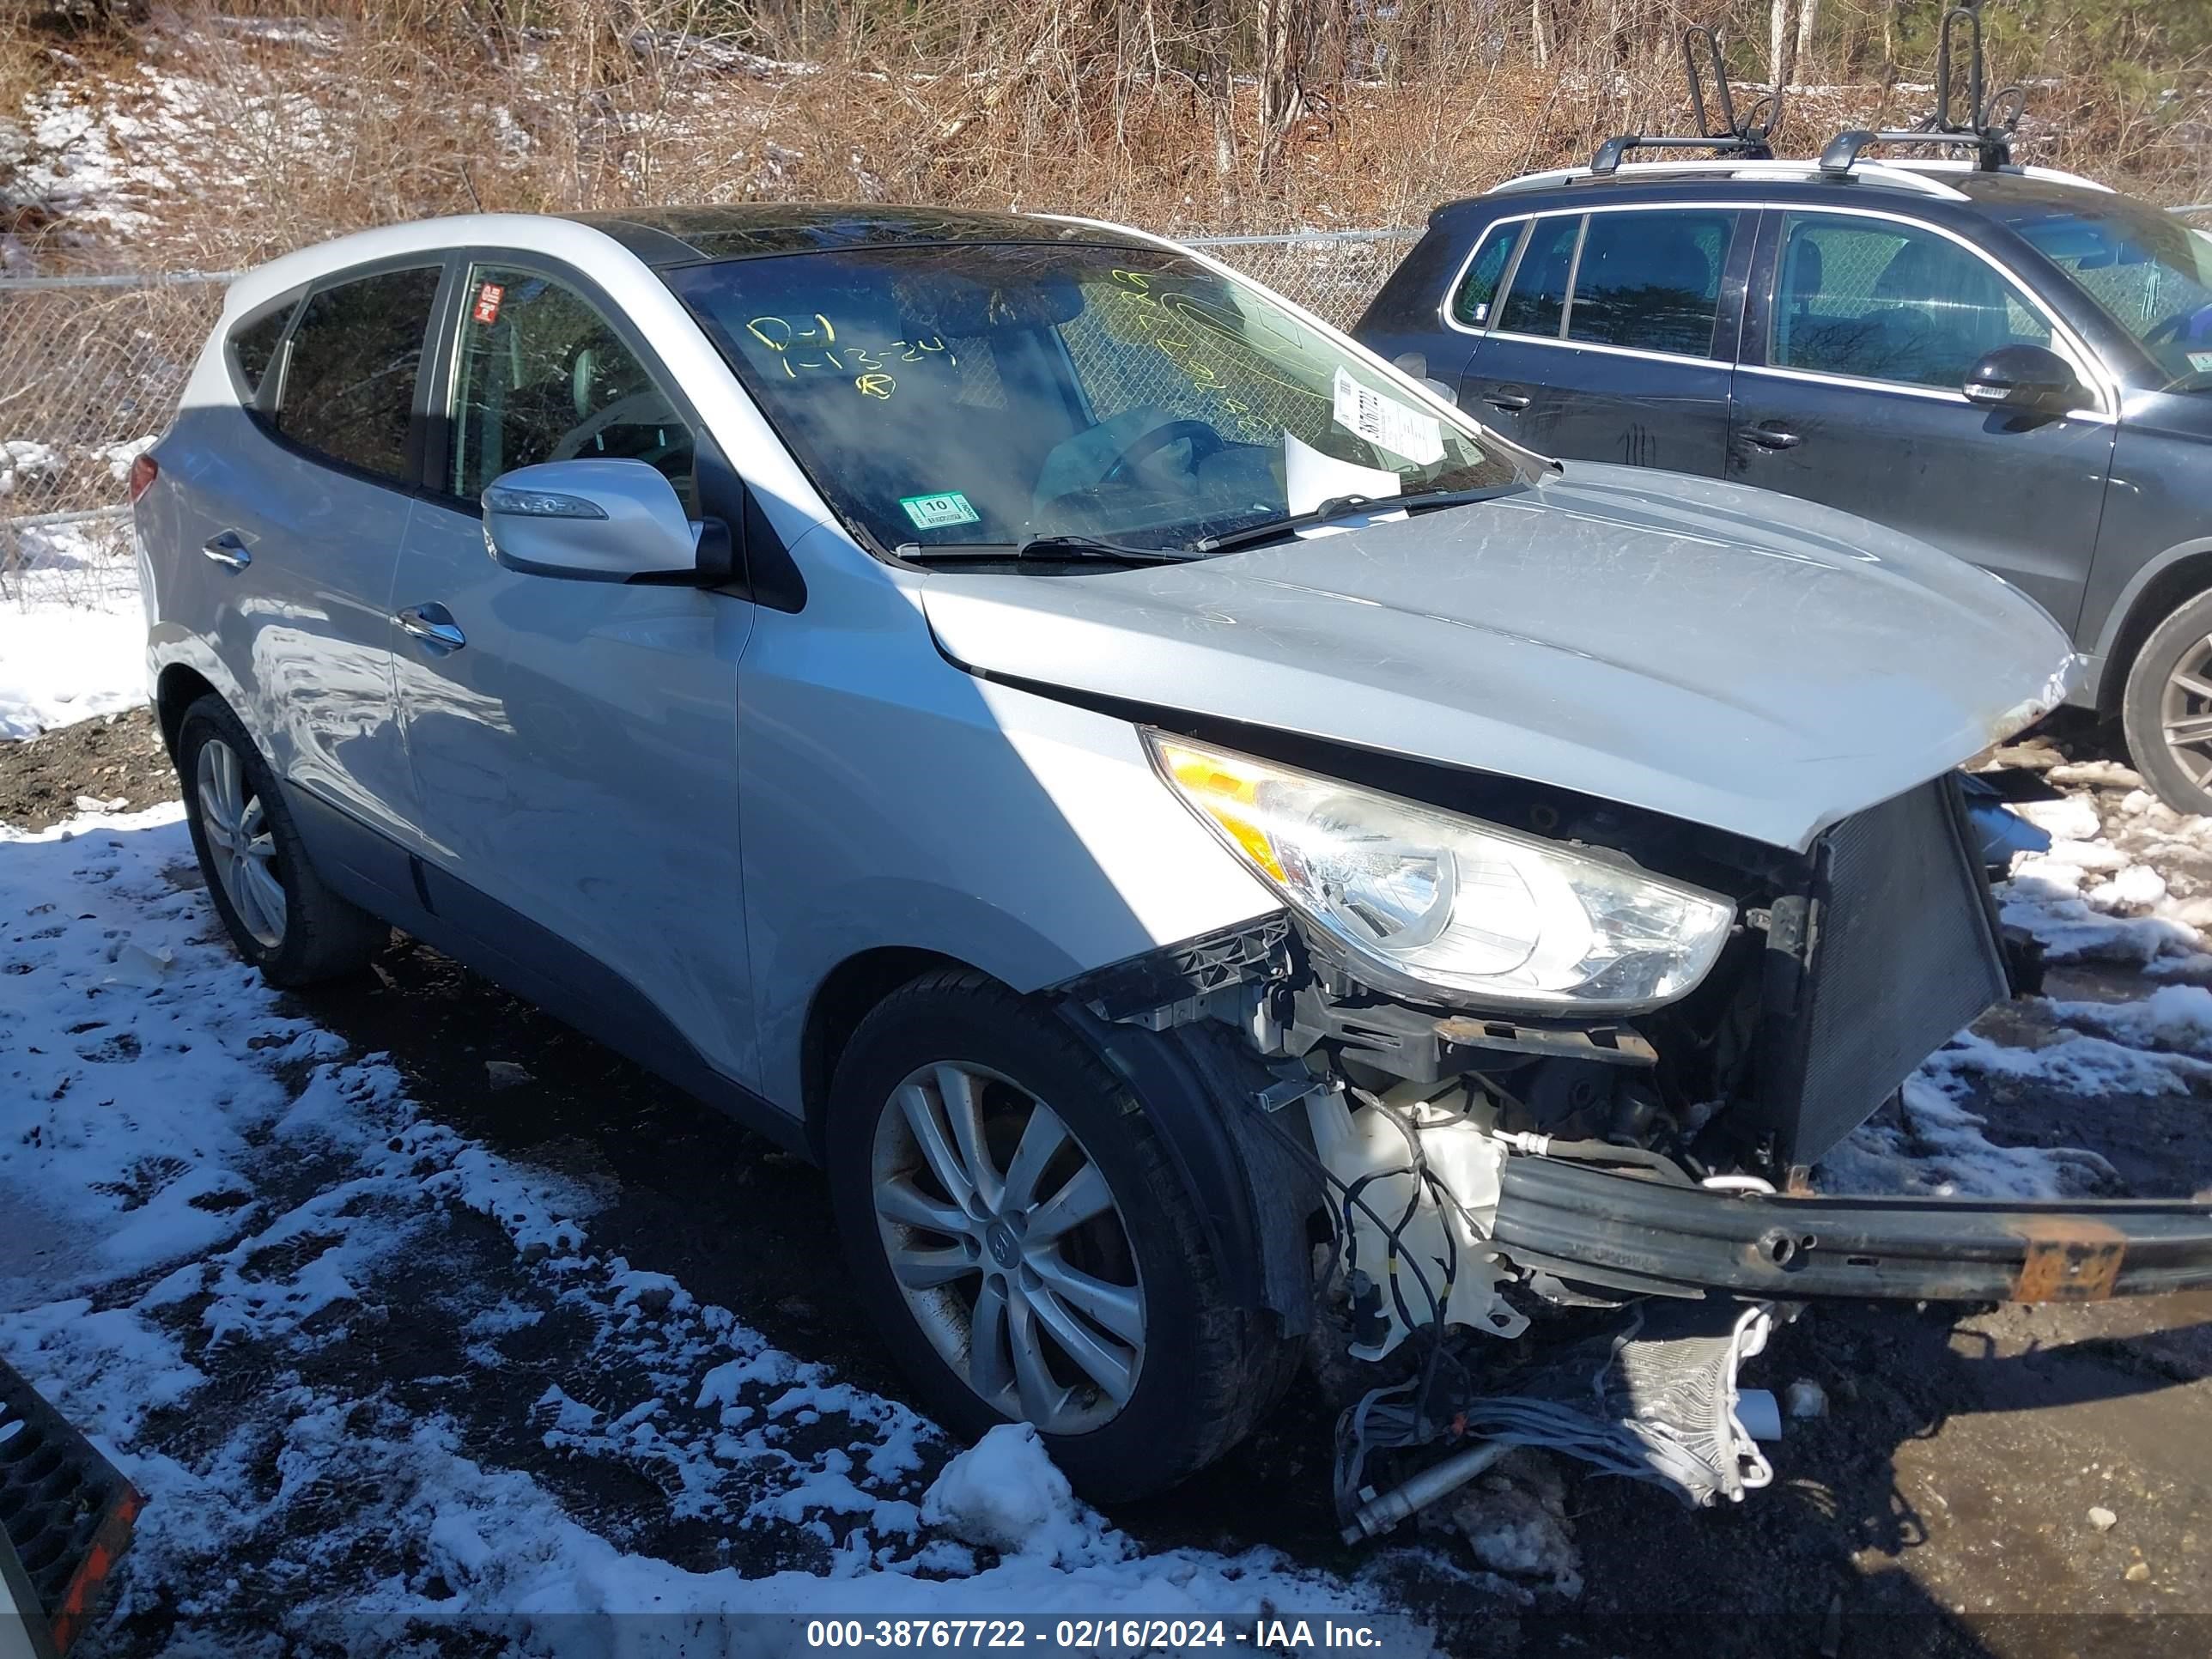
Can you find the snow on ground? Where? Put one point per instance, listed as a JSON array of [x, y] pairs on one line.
[[215, 1212], [72, 628], [2097, 896]]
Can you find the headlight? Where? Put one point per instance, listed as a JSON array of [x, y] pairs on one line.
[[1447, 901]]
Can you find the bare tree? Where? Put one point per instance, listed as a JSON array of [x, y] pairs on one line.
[[1286, 27]]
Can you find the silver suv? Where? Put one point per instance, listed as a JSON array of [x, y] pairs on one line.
[[1138, 787]]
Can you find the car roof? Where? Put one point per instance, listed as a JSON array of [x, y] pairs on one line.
[[751, 230]]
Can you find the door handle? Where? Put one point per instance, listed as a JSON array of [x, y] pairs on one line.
[[1772, 437], [434, 625], [228, 550], [1510, 401]]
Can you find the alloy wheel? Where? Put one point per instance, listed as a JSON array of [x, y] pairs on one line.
[[241, 843], [1007, 1242], [2185, 713]]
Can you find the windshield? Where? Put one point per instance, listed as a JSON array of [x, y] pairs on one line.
[[999, 393], [2150, 272]]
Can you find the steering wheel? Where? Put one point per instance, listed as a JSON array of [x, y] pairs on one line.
[[1203, 438], [2172, 327], [647, 407]]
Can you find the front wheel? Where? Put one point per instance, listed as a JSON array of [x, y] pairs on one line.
[[2166, 708], [1027, 1249]]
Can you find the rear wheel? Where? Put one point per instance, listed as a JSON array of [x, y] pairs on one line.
[[2166, 709], [279, 916], [1027, 1251]]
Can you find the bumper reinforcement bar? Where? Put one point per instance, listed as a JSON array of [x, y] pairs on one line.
[[1631, 1234]]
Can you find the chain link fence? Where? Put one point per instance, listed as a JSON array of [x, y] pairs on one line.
[[92, 366]]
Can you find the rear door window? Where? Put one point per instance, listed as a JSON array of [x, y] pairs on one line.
[[1478, 288], [1651, 280], [351, 368], [1538, 300], [1880, 300]]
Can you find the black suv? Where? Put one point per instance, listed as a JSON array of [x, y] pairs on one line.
[[2015, 364]]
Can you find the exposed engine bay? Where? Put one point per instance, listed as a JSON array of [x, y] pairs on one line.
[[1628, 1191]]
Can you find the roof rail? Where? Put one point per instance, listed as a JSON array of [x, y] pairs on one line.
[[1747, 137], [1897, 175]]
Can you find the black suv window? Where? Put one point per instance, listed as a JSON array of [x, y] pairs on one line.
[[1539, 296], [1883, 301], [254, 348], [349, 377], [543, 376], [1471, 305], [1651, 280]]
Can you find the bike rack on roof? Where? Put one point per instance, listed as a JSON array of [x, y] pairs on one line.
[[1748, 138], [1989, 134]]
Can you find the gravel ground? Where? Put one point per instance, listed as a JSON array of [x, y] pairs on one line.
[[1940, 1505]]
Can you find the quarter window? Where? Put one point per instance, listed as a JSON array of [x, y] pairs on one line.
[[1651, 280], [349, 377], [1479, 287], [1887, 301], [1539, 297], [254, 348], [542, 375]]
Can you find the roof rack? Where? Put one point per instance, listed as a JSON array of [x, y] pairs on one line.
[[1748, 138], [1899, 176], [1994, 115], [1953, 164]]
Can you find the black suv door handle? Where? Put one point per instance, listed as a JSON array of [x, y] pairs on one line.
[[1772, 437], [1507, 399]]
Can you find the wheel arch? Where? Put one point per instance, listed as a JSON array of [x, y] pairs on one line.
[[846, 996], [2164, 585], [180, 686]]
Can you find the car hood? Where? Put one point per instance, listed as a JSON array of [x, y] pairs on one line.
[[1716, 652]]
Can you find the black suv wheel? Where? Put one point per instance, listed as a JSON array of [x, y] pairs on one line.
[[2166, 709]]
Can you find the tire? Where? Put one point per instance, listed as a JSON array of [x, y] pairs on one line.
[[2181, 645], [281, 917], [1201, 1372]]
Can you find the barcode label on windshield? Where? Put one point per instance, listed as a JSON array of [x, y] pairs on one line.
[[1388, 423]]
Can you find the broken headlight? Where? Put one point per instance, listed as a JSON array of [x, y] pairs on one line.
[[1411, 893]]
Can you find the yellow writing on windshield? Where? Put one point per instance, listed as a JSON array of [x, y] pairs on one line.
[[811, 344]]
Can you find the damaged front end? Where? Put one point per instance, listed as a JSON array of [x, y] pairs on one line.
[[1575, 1065]]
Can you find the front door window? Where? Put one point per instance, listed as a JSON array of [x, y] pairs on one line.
[[1876, 299], [541, 375]]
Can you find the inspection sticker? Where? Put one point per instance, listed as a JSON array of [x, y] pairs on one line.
[[1387, 422], [486, 305], [936, 512]]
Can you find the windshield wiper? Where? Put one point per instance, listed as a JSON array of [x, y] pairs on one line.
[[1345, 507], [1052, 549]]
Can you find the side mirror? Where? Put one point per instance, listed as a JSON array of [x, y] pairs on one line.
[[2028, 378], [1416, 363], [599, 521]]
